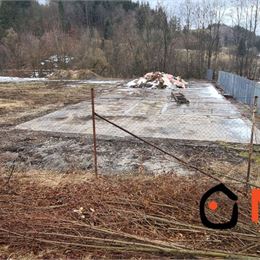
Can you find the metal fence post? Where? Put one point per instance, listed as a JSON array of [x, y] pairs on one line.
[[251, 145], [94, 131]]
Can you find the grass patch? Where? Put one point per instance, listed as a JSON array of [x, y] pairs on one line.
[[255, 156], [28, 100]]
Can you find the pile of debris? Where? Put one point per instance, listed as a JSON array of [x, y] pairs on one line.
[[159, 80]]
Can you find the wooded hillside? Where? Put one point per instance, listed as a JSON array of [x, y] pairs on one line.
[[124, 38]]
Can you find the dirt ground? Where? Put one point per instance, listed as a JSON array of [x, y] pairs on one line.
[[48, 170], [66, 153], [60, 152]]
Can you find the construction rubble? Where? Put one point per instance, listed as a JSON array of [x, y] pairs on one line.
[[159, 80]]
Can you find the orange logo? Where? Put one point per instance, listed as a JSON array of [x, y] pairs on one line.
[[255, 205]]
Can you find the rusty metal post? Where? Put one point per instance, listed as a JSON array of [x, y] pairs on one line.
[[251, 145], [94, 131]]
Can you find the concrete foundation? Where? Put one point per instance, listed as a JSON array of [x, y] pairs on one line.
[[151, 113]]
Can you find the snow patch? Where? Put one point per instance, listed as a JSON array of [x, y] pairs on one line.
[[17, 79], [90, 81]]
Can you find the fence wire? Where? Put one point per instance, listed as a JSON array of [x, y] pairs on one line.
[[141, 131]]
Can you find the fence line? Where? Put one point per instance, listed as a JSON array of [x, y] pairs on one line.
[[242, 89], [184, 162], [210, 174]]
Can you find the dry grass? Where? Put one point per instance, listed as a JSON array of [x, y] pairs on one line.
[[238, 171], [74, 74], [77, 216], [20, 102], [52, 179]]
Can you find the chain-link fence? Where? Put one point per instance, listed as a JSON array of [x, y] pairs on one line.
[[149, 131]]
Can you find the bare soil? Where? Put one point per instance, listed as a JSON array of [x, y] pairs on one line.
[[66, 153]]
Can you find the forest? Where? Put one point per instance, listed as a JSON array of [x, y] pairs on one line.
[[127, 38]]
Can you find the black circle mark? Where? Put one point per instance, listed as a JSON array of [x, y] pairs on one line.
[[234, 217]]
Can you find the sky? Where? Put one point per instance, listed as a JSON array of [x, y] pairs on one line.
[[42, 1]]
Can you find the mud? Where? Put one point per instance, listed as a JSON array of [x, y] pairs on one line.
[[58, 152]]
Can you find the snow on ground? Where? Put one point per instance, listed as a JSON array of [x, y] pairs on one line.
[[90, 81], [17, 79]]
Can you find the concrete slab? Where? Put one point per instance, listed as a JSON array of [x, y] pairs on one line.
[[152, 113]]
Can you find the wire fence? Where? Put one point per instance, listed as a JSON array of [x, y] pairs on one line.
[[155, 114], [147, 131]]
